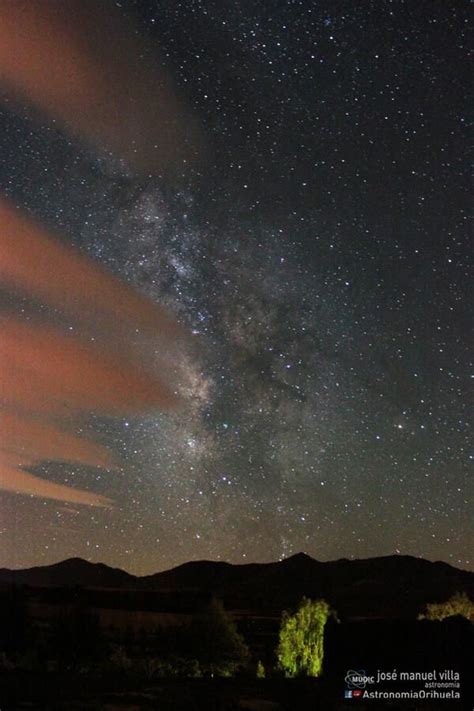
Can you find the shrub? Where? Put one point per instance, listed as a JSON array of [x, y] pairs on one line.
[[457, 605]]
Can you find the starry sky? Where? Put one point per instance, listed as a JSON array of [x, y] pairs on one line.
[[318, 256]]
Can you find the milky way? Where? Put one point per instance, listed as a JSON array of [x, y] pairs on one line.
[[319, 264]]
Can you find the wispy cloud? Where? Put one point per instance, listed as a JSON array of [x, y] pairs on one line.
[[52, 378], [84, 63]]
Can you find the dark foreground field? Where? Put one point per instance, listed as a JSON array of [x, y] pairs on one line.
[[51, 692], [63, 693], [204, 636]]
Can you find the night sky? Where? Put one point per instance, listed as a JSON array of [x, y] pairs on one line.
[[318, 253]]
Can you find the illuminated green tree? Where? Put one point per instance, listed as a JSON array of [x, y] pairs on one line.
[[301, 644], [458, 604]]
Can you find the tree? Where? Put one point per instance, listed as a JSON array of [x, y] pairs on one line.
[[216, 643], [300, 650], [457, 605]]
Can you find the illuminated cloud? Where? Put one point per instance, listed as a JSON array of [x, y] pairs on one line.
[[33, 262], [57, 374], [33, 440], [65, 374], [19, 481], [84, 63]]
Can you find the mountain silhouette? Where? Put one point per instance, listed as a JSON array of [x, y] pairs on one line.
[[390, 586], [70, 572]]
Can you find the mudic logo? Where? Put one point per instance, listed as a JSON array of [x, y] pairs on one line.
[[357, 679]]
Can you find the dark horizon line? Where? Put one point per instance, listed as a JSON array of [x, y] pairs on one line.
[[300, 554]]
